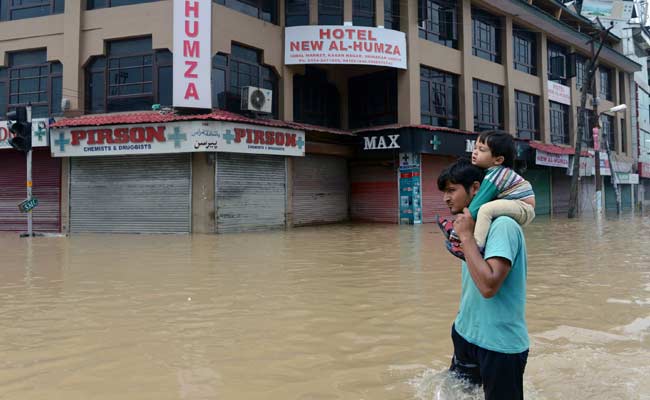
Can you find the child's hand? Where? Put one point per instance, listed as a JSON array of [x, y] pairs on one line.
[[464, 225]]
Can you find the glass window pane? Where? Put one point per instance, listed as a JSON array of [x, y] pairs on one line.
[[165, 80]]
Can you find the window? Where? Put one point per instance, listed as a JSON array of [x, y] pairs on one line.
[[297, 12], [242, 68], [438, 21], [315, 100], [131, 77], [605, 82], [373, 99], [391, 14], [438, 98], [488, 106], [96, 4], [266, 10], [330, 12], [559, 119], [586, 134], [486, 31], [527, 115], [623, 137], [524, 50], [607, 127], [581, 73], [11, 10], [363, 12], [31, 79], [557, 63]]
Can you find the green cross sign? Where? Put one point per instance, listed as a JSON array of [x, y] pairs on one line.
[[228, 136], [40, 132], [435, 142], [62, 142], [300, 143], [177, 137]]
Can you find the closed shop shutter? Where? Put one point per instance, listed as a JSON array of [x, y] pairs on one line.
[[432, 201], [46, 178], [626, 197], [540, 179], [250, 192], [373, 196], [610, 196], [561, 186], [587, 194], [320, 189], [131, 194]]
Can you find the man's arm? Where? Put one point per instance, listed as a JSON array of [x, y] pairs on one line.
[[488, 275]]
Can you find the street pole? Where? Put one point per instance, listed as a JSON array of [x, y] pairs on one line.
[[29, 177], [591, 70]]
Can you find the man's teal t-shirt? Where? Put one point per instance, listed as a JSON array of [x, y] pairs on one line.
[[498, 323]]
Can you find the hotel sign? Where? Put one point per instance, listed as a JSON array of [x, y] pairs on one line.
[[176, 137], [551, 160], [192, 49], [312, 44]]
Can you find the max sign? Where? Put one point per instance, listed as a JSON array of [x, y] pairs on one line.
[[176, 137], [380, 142], [192, 48]]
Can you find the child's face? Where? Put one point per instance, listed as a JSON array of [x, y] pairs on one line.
[[482, 156]]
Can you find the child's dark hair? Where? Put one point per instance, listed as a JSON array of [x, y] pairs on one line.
[[500, 144], [462, 172]]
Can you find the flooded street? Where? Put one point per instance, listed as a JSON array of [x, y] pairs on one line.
[[334, 312]]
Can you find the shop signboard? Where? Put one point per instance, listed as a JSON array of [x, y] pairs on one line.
[[551, 160], [176, 137], [559, 93], [40, 127], [627, 178], [324, 44], [410, 200], [644, 170]]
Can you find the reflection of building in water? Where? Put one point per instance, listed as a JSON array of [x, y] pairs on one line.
[[356, 86]]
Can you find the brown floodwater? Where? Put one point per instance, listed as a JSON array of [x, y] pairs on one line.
[[330, 312]]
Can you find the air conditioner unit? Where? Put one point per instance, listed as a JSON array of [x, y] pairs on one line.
[[256, 99]]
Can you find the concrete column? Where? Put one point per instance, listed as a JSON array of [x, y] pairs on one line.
[[408, 82], [544, 118], [379, 12], [286, 94], [509, 106], [282, 14], [617, 99], [313, 12], [65, 195], [347, 11], [465, 82], [72, 78], [573, 110], [203, 181]]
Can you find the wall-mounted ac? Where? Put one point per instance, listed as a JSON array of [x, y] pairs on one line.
[[256, 99]]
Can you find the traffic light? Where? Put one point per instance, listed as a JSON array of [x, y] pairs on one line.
[[22, 130]]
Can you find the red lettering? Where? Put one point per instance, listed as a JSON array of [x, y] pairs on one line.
[[367, 46], [192, 8], [91, 136], [396, 51], [338, 33], [270, 137], [191, 50], [350, 33], [239, 134], [324, 33], [121, 135], [137, 135], [370, 37], [357, 46], [191, 91], [316, 45], [191, 66], [333, 46], [104, 136], [4, 134], [259, 137], [157, 133], [77, 136], [379, 47], [304, 45], [290, 140], [249, 136], [362, 35], [279, 138], [193, 33], [294, 46]]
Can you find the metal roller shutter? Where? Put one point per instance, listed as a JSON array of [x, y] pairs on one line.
[[250, 192], [540, 179], [432, 201], [374, 193], [320, 190], [131, 194], [561, 187], [46, 177]]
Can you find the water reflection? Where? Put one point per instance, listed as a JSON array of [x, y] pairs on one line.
[[335, 312]]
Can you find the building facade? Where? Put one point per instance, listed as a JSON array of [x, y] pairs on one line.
[[401, 91]]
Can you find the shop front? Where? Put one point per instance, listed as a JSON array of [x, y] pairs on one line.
[[168, 173], [401, 166], [549, 176], [46, 182]]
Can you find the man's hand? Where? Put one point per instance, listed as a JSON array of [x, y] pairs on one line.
[[464, 225]]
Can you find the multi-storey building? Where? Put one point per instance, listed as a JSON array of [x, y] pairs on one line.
[[377, 131]]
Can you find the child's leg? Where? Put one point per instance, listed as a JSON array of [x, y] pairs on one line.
[[515, 209]]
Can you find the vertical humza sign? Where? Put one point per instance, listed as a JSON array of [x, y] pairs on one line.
[[192, 48]]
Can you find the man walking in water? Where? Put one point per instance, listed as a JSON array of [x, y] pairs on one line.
[[490, 335]]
